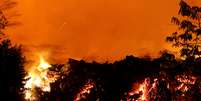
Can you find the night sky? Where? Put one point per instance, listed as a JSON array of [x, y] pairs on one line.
[[93, 29]]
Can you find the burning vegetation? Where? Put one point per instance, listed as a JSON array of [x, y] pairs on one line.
[[84, 91], [38, 77], [131, 79], [94, 81], [147, 91]]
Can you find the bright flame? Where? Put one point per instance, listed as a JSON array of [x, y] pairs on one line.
[[142, 90], [38, 77], [43, 64]]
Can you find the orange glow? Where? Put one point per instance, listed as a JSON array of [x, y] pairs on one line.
[[94, 30]]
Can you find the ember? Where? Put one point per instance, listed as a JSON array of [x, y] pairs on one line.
[[186, 81], [84, 91]]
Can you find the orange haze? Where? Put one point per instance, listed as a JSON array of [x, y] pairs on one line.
[[94, 29]]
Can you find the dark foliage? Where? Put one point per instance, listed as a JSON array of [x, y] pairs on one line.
[[114, 80], [189, 24], [11, 71], [11, 65]]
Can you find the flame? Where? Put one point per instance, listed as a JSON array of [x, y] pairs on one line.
[[38, 78], [143, 90], [43, 64]]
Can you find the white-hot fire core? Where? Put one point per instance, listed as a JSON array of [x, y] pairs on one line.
[[38, 78]]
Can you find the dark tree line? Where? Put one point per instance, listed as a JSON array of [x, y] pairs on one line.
[[113, 81]]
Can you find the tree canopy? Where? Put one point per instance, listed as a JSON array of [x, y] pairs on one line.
[[188, 35], [11, 63]]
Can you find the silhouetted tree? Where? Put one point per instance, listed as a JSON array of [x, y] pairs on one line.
[[11, 64], [188, 36]]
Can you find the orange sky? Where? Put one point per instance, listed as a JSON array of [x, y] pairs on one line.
[[94, 29]]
